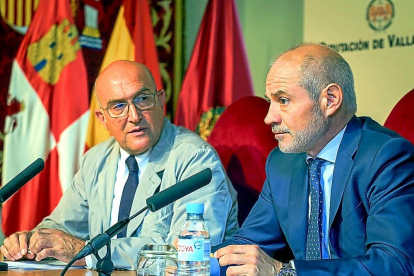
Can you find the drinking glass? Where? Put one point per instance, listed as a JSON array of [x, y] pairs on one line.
[[157, 260]]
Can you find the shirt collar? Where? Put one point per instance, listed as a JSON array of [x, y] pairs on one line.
[[330, 151], [142, 160]]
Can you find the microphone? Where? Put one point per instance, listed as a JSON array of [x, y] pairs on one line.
[[154, 203], [21, 179], [179, 190]]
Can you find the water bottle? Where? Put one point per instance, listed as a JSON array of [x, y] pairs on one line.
[[194, 243]]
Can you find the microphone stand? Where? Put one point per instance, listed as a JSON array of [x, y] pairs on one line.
[[104, 266]]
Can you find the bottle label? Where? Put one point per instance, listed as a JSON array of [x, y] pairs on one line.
[[193, 250]]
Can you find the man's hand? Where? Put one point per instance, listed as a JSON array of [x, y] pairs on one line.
[[249, 260], [55, 243], [16, 246]]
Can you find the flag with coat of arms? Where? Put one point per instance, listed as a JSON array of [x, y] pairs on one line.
[[47, 114]]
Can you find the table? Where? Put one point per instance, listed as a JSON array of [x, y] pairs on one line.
[[71, 272]]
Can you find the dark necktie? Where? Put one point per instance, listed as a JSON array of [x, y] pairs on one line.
[[128, 193], [314, 238]]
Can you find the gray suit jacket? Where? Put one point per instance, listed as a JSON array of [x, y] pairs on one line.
[[85, 208]]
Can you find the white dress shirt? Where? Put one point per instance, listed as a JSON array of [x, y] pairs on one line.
[[120, 180]]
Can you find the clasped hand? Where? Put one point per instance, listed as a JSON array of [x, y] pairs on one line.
[[247, 260], [42, 243]]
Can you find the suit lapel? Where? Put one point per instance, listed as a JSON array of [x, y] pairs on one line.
[[151, 180], [146, 188], [343, 164], [299, 190], [298, 211]]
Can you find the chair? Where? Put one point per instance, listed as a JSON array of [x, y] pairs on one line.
[[243, 142], [401, 118]]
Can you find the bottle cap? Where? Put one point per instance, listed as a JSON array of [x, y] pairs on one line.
[[195, 208]]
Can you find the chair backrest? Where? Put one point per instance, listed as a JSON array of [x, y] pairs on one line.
[[401, 118], [243, 142]]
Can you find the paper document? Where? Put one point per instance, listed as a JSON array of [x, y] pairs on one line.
[[49, 264]]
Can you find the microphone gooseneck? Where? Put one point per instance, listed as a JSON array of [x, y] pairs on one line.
[[179, 190], [21, 179], [18, 182], [154, 203]]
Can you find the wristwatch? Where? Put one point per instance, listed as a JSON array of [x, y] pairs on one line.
[[287, 269]]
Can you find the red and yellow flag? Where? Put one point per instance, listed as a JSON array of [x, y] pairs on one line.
[[47, 114], [18, 13], [131, 39]]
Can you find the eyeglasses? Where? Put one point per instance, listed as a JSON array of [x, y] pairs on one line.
[[141, 102]]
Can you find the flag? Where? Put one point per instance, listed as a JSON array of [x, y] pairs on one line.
[[218, 73], [47, 114], [18, 14], [132, 39]]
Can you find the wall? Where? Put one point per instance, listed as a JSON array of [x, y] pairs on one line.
[[382, 70], [383, 75], [269, 28]]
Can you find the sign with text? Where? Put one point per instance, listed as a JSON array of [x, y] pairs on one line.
[[376, 37]]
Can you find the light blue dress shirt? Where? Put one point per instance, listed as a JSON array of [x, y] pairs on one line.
[[328, 154]]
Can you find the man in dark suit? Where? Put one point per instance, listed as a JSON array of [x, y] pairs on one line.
[[339, 193]]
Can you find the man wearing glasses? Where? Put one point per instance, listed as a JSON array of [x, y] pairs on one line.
[[146, 154]]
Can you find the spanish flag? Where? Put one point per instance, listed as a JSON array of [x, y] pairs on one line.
[[131, 39], [47, 114]]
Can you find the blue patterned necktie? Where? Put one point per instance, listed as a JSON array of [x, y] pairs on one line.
[[128, 193], [314, 238]]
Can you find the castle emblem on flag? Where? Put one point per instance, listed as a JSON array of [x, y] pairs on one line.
[[54, 51]]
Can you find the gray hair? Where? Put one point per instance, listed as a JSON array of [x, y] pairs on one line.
[[317, 71]]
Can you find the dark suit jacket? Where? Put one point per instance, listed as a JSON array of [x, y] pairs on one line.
[[371, 214]]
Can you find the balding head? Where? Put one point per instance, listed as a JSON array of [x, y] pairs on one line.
[[131, 108], [311, 94], [319, 66], [316, 50], [123, 71]]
